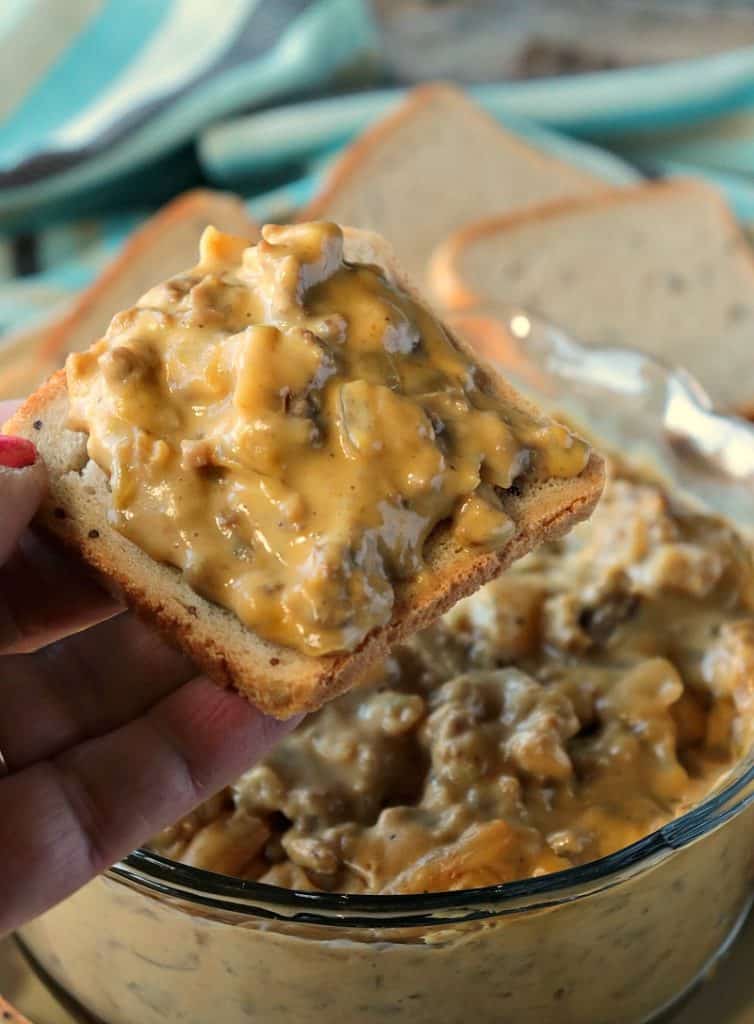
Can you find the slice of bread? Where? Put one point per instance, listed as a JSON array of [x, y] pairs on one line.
[[433, 164], [161, 247], [661, 267], [21, 369], [279, 680]]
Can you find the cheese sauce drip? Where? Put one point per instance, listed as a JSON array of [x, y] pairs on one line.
[[288, 429]]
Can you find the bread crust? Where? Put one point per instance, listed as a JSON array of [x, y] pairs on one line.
[[20, 366], [445, 274], [27, 358], [189, 204], [280, 681], [357, 154]]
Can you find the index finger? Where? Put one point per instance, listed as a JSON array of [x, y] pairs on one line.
[[46, 595], [63, 821], [22, 485], [21, 490], [23, 482]]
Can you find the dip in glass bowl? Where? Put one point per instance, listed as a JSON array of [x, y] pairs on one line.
[[617, 939]]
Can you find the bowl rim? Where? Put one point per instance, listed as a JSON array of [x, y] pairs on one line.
[[168, 878]]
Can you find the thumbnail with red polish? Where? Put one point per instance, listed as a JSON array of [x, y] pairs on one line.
[[16, 452]]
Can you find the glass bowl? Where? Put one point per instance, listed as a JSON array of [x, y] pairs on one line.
[[618, 941]]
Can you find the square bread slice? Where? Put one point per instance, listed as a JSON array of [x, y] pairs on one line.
[[434, 163], [165, 244], [279, 680], [662, 267]]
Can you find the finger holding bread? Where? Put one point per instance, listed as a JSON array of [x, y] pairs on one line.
[[350, 355]]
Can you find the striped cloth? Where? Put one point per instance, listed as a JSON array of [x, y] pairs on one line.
[[95, 92], [99, 101], [107, 109]]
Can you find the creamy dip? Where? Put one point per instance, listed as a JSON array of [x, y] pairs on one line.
[[569, 708], [289, 429]]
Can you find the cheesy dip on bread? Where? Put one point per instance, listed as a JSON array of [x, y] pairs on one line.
[[597, 690]]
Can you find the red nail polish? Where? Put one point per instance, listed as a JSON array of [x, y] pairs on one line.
[[16, 452]]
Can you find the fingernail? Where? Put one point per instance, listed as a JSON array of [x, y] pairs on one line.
[[16, 452]]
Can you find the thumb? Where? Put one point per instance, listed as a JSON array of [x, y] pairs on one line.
[[22, 485]]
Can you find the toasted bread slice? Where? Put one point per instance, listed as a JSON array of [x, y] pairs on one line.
[[277, 679], [661, 267], [435, 163], [162, 246]]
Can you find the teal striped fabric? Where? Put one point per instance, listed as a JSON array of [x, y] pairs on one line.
[[108, 108], [128, 84]]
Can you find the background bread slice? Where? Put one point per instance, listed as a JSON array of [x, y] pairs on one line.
[[161, 247], [279, 680], [433, 164], [21, 369], [661, 267]]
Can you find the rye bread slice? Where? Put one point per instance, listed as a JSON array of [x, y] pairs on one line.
[[661, 267], [279, 680]]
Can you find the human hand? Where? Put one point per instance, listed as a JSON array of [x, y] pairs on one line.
[[106, 734]]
